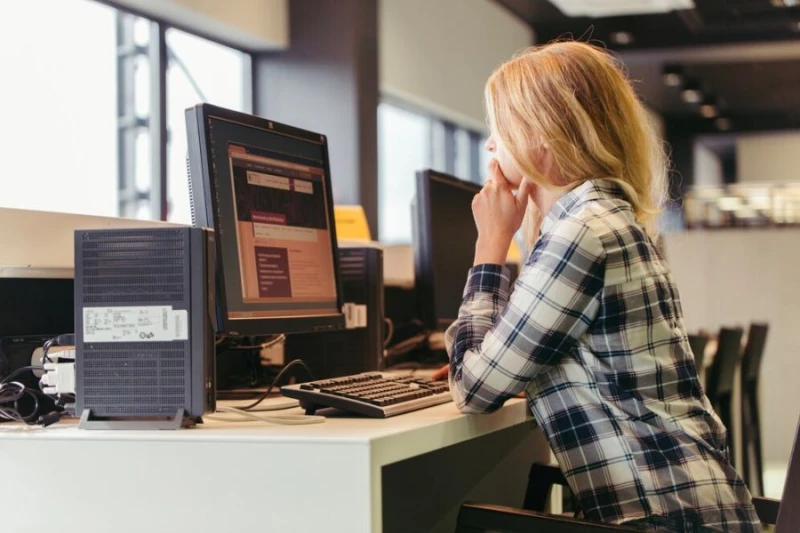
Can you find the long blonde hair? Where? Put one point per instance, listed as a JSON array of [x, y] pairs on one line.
[[573, 99]]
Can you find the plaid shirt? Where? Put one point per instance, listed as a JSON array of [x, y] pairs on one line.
[[594, 335]]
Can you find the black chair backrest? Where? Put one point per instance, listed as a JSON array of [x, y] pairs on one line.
[[729, 349], [754, 351], [697, 343], [789, 513]]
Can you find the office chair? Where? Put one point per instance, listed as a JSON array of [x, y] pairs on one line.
[[698, 343], [483, 518], [719, 384], [751, 428]]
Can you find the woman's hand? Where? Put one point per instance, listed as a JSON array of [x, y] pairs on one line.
[[498, 215], [442, 373]]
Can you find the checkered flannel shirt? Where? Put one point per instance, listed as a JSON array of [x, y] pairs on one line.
[[593, 333]]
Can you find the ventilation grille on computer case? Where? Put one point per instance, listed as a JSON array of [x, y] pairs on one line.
[[145, 267], [352, 272], [191, 192]]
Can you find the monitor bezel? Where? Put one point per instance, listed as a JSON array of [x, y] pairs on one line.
[[425, 282], [203, 184]]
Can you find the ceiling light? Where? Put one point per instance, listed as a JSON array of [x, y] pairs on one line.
[[691, 93], [785, 3], [723, 124], [672, 76], [709, 110], [621, 37], [611, 8]]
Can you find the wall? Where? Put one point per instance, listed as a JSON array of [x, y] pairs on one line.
[[770, 158], [438, 54], [32, 241], [656, 120], [707, 166], [327, 82], [734, 277], [250, 24]]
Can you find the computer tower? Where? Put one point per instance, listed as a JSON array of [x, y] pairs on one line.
[[144, 325], [349, 351]]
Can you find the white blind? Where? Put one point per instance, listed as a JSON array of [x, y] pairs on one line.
[[250, 24]]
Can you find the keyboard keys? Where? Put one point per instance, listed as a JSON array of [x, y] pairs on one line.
[[371, 394]]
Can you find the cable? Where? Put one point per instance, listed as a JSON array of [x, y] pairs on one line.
[[65, 339], [406, 345], [287, 420], [390, 332], [296, 362], [45, 349], [291, 404], [264, 345], [19, 371], [13, 392]]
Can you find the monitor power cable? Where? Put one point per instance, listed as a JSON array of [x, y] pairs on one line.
[[246, 413]]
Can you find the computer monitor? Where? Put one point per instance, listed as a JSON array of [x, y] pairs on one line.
[[444, 236], [265, 189]]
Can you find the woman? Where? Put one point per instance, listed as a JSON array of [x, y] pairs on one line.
[[593, 332]]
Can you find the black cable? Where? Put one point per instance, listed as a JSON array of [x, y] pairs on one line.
[[19, 371], [46, 348], [267, 344], [11, 392], [296, 362], [35, 412], [65, 339], [8, 396]]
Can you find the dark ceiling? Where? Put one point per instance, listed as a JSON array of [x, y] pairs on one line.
[[744, 54]]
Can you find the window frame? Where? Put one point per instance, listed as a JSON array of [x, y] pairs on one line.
[[447, 150], [157, 52]]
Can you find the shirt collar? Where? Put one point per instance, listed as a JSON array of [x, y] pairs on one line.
[[596, 189]]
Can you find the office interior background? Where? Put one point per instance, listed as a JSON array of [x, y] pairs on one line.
[[94, 92]]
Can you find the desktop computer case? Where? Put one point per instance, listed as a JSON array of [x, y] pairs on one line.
[[172, 268], [349, 351]]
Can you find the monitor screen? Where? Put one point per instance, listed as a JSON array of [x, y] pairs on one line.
[[265, 189], [444, 244]]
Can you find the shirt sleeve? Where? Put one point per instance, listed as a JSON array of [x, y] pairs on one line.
[[500, 343]]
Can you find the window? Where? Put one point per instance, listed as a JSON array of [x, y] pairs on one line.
[[93, 111], [198, 71], [403, 149], [463, 153], [59, 95], [483, 160], [409, 141]]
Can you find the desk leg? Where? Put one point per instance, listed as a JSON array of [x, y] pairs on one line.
[[424, 493]]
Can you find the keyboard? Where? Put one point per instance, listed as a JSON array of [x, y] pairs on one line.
[[371, 394]]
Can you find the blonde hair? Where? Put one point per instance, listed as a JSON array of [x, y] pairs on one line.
[[574, 100]]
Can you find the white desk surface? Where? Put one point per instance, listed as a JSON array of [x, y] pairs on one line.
[[338, 465], [392, 439]]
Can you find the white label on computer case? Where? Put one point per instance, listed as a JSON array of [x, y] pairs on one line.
[[134, 324]]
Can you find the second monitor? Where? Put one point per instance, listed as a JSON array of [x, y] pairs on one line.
[[444, 236]]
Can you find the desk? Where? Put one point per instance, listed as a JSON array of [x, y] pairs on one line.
[[407, 473]]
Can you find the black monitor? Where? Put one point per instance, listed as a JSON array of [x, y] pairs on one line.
[[265, 189], [444, 236]]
